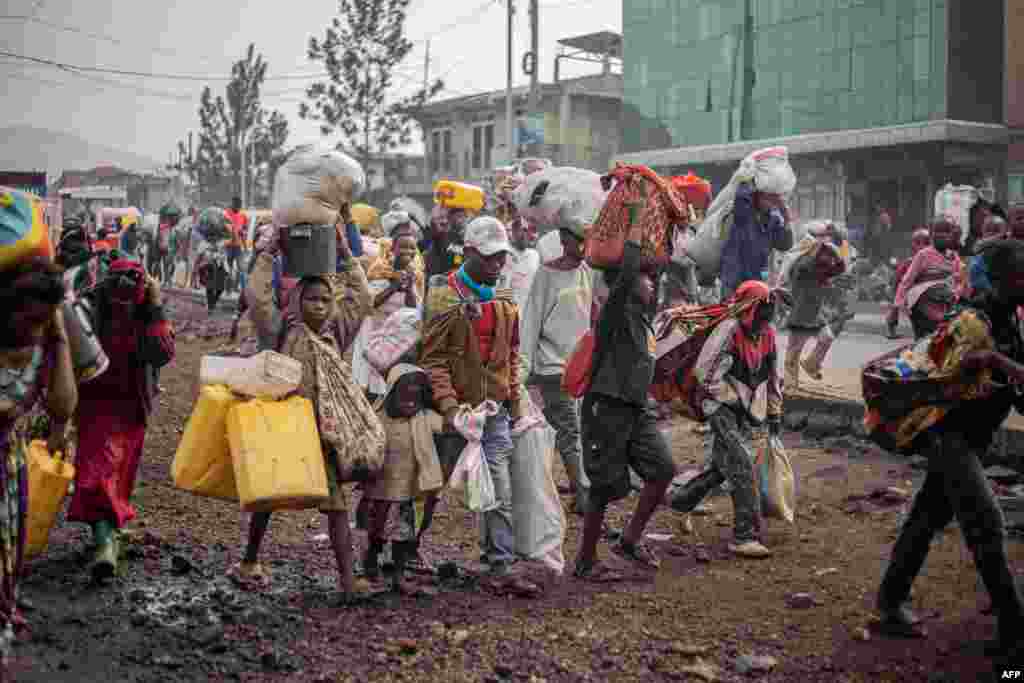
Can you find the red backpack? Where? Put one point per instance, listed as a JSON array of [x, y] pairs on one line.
[[579, 370]]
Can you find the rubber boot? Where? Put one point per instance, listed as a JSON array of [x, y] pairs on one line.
[[104, 564], [689, 495], [401, 553], [371, 560]]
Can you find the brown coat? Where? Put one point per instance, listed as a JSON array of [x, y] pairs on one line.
[[451, 352]]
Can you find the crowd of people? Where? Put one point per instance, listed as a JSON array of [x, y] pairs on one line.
[[499, 325]]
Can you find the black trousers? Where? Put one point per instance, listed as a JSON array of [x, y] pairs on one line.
[[955, 487]]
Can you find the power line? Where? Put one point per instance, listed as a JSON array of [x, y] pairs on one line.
[[65, 28], [145, 74], [474, 14], [142, 92]]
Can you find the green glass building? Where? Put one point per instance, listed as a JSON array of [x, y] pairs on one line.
[[880, 101]]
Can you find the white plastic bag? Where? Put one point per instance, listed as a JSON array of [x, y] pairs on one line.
[[550, 247], [573, 196], [954, 202], [314, 183], [537, 515], [769, 170], [776, 481], [471, 474]]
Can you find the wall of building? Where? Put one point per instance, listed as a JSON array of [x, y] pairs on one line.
[[976, 60], [819, 65]]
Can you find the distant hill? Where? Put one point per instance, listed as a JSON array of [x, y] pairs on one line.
[[25, 148]]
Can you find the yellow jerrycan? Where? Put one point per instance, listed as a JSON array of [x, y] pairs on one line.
[[202, 464], [279, 464], [48, 480]]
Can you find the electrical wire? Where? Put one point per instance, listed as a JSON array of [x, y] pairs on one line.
[[145, 74], [101, 37]]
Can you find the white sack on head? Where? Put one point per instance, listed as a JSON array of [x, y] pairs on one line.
[[561, 196], [313, 185], [954, 203], [769, 171]]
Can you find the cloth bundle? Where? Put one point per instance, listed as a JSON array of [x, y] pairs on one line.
[[661, 209]]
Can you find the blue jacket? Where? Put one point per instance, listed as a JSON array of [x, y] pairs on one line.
[[753, 236], [355, 239]]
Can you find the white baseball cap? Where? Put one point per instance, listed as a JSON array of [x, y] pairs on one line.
[[487, 235]]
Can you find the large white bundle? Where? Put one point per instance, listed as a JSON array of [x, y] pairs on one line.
[[413, 208], [313, 184], [550, 247], [573, 197], [954, 203], [769, 171], [537, 515]]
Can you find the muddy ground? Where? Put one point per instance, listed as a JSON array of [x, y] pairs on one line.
[[173, 615]]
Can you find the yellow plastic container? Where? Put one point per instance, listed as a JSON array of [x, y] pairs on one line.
[[48, 481], [202, 464], [279, 464], [454, 195]]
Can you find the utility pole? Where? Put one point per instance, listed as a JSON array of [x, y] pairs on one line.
[[426, 67], [749, 77], [535, 56], [509, 125], [245, 169]]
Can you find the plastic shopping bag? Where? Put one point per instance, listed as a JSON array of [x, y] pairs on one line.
[[537, 515], [471, 474], [776, 481]]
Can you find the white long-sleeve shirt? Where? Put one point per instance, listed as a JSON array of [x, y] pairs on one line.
[[555, 316]]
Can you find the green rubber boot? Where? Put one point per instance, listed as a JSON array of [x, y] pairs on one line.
[[104, 563]]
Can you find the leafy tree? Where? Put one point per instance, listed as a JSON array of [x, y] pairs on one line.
[[227, 124], [361, 49]]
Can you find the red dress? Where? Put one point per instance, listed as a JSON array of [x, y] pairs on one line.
[[111, 430], [113, 408]]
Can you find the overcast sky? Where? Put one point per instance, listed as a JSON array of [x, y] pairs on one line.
[[204, 37]]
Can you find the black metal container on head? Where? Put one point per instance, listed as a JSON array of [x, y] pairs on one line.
[[309, 249]]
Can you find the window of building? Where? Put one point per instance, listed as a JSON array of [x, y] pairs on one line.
[[483, 145], [441, 160]]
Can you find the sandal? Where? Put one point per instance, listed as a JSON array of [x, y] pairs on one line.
[[637, 553], [900, 623], [597, 572]]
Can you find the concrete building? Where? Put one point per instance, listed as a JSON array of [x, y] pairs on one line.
[[879, 102], [113, 186], [577, 122], [396, 175]]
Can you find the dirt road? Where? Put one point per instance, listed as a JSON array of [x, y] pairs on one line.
[[173, 615]]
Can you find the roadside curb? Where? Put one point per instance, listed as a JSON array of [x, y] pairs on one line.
[[822, 417]]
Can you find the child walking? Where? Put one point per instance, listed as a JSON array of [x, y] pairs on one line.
[[411, 470], [316, 326]]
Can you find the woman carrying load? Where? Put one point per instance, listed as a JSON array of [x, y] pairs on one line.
[[396, 279], [932, 283], [115, 407], [955, 486], [35, 362]]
